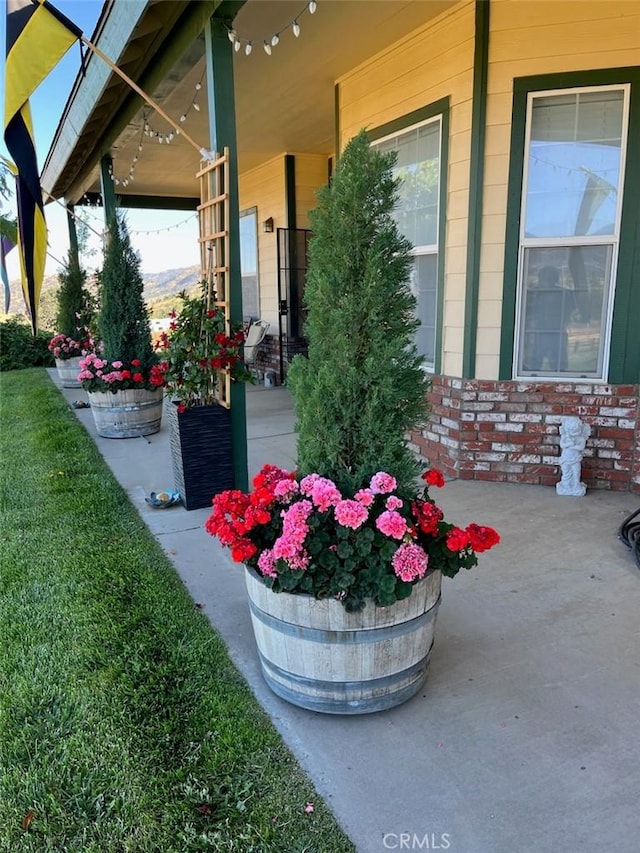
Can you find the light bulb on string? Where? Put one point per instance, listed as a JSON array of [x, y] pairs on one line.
[[237, 45], [248, 48], [232, 35], [198, 87], [183, 117], [295, 26], [196, 107], [312, 7], [267, 48], [275, 38]]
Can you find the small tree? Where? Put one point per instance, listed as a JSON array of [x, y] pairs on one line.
[[123, 322], [362, 386], [73, 298]]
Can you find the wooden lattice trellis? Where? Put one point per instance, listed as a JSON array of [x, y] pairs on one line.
[[213, 216]]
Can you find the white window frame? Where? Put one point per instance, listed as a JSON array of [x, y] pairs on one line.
[[432, 248], [252, 211], [612, 240]]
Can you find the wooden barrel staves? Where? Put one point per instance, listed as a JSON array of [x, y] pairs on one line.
[[127, 414], [317, 656], [68, 370]]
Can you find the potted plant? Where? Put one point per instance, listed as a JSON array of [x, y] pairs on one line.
[[122, 377], [195, 354], [345, 557], [73, 317]]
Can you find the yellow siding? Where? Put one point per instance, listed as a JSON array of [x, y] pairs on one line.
[[535, 37], [263, 187], [311, 174], [433, 62]]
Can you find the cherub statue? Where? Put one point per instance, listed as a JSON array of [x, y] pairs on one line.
[[573, 440]]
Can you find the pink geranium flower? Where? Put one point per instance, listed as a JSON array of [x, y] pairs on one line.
[[351, 514], [383, 483], [410, 562], [392, 524]]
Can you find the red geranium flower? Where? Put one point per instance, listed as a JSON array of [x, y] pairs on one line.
[[482, 538], [433, 477]]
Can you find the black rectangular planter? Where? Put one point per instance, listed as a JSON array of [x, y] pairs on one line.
[[200, 440]]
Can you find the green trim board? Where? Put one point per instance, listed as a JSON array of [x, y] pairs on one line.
[[437, 108], [624, 356], [476, 185], [290, 189], [222, 129], [336, 122], [145, 202]]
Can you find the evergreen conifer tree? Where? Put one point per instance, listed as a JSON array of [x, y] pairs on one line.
[[72, 297], [362, 386], [123, 323]]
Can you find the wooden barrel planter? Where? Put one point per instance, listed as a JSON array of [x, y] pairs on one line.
[[201, 452], [68, 370], [127, 414], [317, 656]]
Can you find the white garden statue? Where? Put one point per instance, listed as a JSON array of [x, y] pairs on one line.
[[573, 440]]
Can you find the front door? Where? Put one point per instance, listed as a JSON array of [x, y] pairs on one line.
[[293, 254]]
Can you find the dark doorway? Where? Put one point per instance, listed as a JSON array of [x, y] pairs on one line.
[[293, 254]]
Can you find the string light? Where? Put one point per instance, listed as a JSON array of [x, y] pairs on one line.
[[171, 134], [147, 233], [159, 136], [269, 43]]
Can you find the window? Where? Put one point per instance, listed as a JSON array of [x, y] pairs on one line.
[[417, 214], [570, 218], [249, 263]]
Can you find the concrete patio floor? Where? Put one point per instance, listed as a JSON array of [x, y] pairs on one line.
[[525, 736]]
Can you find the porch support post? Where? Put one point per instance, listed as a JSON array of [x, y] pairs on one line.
[[73, 235], [222, 132], [107, 189]]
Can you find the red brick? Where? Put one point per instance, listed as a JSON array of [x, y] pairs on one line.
[[613, 432], [491, 476], [563, 399], [526, 398]]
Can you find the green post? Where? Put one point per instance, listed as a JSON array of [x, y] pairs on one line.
[[107, 189], [73, 234], [222, 130]]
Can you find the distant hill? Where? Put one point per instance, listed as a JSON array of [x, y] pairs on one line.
[[159, 285], [161, 291]]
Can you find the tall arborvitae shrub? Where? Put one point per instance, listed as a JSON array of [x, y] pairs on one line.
[[362, 386], [123, 322], [72, 298]]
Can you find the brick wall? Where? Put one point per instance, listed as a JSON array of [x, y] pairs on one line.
[[269, 355], [508, 431]]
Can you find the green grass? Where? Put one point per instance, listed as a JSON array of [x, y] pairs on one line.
[[123, 724]]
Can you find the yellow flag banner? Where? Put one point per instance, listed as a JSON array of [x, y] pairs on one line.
[[38, 36]]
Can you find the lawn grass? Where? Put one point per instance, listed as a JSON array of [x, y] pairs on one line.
[[123, 724]]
